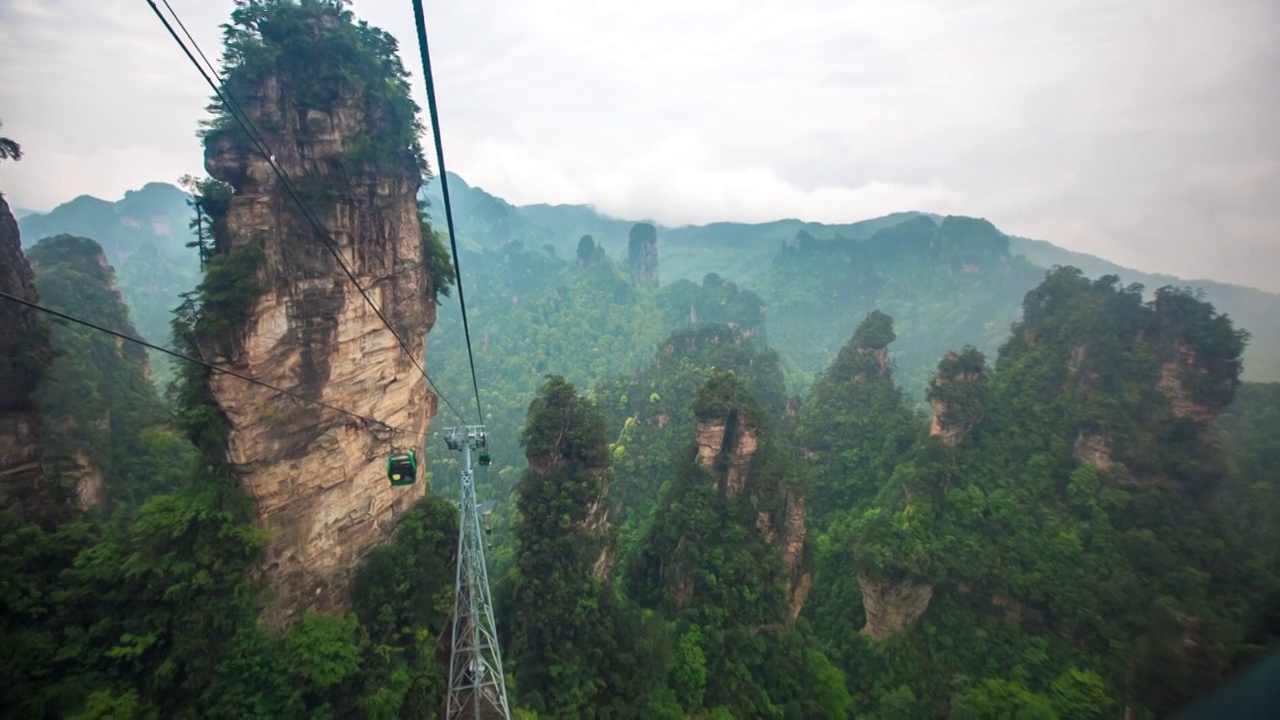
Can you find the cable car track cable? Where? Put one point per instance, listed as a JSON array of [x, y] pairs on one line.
[[420, 21], [173, 353], [236, 111]]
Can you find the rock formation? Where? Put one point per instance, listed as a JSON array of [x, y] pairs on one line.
[[727, 440], [319, 477], [589, 253], [1093, 448], [24, 352], [98, 392], [642, 254], [955, 396], [736, 447], [567, 480], [1184, 369], [596, 525], [892, 605]]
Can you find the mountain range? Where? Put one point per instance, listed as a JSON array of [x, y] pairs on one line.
[[144, 236]]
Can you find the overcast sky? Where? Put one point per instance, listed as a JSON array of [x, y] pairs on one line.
[[1143, 131]]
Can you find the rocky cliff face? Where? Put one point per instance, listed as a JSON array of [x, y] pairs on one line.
[[726, 447], [892, 605], [737, 452], [596, 526], [319, 477], [642, 254], [92, 393], [567, 479], [955, 412], [24, 352], [1185, 369]]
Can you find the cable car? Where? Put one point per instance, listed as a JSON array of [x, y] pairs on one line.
[[402, 469]]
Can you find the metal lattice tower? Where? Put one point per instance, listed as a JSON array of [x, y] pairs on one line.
[[477, 688]]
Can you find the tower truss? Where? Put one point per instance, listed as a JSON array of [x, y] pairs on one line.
[[477, 688]]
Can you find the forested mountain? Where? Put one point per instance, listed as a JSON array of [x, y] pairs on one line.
[[1072, 502], [104, 416], [815, 277], [773, 259], [144, 236], [1250, 308], [880, 470]]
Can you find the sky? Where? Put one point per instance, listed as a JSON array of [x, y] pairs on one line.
[[1143, 131]]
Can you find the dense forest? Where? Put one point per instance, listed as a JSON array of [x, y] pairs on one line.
[[895, 471]]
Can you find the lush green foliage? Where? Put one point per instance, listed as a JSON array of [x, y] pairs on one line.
[[9, 148], [1090, 539], [147, 608], [104, 417], [319, 56], [705, 564], [152, 610], [1067, 515], [143, 236], [651, 413], [575, 648], [854, 424]]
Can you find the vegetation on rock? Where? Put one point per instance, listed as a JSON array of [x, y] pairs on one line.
[[1080, 519]]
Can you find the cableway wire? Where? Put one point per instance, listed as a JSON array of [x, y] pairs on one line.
[[259, 142], [420, 19], [188, 358]]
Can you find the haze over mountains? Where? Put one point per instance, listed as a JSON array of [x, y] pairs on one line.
[[144, 235], [742, 252]]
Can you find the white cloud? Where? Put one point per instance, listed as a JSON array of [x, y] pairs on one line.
[[1132, 129]]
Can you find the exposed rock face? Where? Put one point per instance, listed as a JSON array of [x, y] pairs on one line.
[[881, 356], [939, 409], [91, 490], [596, 525], [571, 474], [794, 529], [642, 254], [892, 605], [24, 352], [1175, 377], [1094, 449], [738, 452], [946, 423], [726, 448], [319, 477], [690, 340], [589, 253]]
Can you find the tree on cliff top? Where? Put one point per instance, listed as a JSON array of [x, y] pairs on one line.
[[9, 149], [855, 422], [567, 629], [319, 55]]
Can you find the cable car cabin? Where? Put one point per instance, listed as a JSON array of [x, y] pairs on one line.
[[402, 469]]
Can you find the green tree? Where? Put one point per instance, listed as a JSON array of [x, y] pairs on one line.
[[553, 598], [9, 149]]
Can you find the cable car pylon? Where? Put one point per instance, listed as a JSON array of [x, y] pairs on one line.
[[477, 688]]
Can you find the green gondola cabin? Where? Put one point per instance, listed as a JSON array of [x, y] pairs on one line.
[[402, 469]]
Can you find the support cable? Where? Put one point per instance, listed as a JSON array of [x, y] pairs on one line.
[[444, 188], [246, 124], [197, 361]]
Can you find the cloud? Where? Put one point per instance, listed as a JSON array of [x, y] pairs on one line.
[[1132, 129]]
